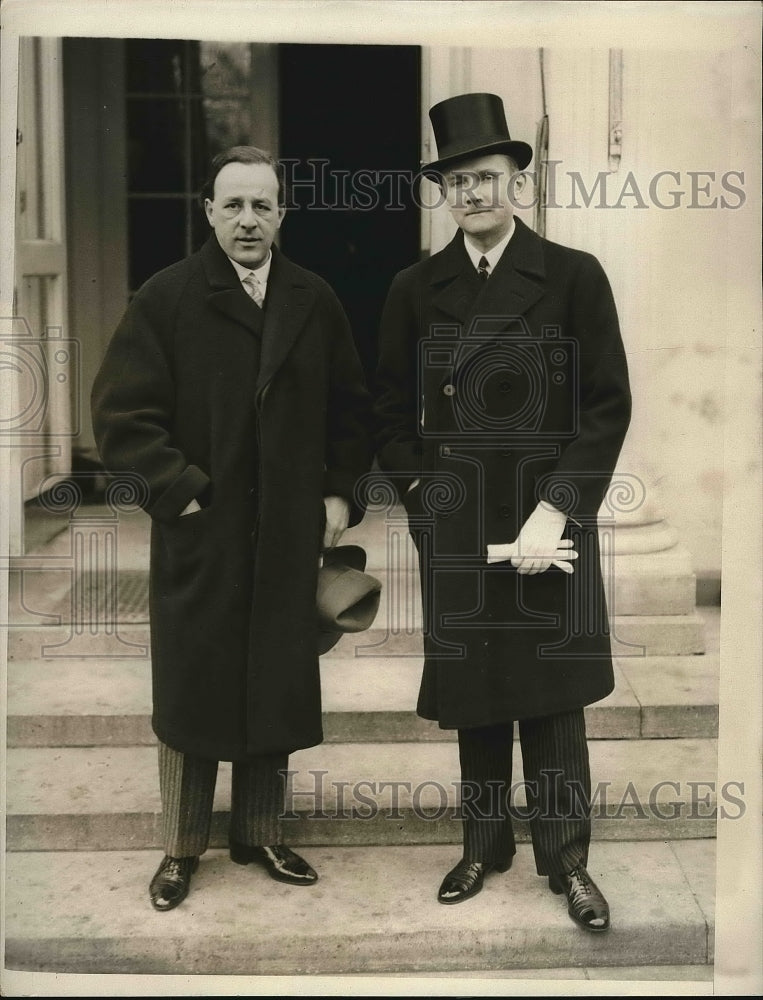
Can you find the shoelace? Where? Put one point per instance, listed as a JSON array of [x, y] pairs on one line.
[[172, 870], [464, 875], [581, 886]]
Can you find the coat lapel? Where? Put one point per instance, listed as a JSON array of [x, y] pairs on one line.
[[226, 294], [454, 281], [287, 306], [516, 284]]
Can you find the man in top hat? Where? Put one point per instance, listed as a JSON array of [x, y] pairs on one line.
[[503, 402], [233, 388]]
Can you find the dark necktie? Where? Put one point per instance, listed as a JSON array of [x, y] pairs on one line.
[[482, 269]]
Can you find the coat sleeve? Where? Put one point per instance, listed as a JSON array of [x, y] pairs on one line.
[[132, 404], [397, 410], [349, 447], [581, 478]]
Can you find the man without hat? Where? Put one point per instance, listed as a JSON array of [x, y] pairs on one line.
[[233, 388], [503, 402]]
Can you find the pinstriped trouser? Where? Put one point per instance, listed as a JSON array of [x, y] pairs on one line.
[[557, 787], [187, 785]]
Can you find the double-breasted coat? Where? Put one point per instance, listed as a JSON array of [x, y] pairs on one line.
[[496, 396], [258, 415]]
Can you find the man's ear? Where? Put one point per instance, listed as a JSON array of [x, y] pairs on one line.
[[208, 210], [516, 186]]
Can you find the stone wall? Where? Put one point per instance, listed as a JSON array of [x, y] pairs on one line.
[[678, 248]]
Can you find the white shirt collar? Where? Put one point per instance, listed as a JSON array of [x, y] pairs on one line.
[[494, 255], [261, 273]]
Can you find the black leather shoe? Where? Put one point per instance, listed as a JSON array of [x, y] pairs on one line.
[[585, 902], [279, 861], [466, 879], [171, 883]]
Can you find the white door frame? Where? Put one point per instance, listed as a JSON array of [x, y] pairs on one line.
[[42, 364]]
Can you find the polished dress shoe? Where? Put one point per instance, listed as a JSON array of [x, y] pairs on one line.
[[171, 883], [585, 902], [466, 879], [279, 861]]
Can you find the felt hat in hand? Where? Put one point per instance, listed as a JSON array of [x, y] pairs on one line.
[[347, 599], [473, 125]]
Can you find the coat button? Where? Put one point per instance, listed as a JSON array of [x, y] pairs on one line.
[[504, 510], [444, 451], [504, 386], [505, 452], [449, 390]]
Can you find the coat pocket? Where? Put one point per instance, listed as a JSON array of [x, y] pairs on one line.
[[186, 540]]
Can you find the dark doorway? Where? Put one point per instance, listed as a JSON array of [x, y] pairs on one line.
[[357, 107]]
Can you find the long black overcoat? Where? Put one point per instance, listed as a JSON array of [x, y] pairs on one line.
[[259, 415], [496, 396]]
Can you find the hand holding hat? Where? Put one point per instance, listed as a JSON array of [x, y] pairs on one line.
[[347, 598]]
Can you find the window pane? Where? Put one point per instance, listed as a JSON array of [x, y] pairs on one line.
[[199, 150], [156, 236], [155, 145], [155, 65], [225, 69], [229, 123]]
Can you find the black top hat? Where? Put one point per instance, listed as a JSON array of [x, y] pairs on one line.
[[347, 598], [472, 125]]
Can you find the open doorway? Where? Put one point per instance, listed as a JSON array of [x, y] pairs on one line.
[[357, 109]]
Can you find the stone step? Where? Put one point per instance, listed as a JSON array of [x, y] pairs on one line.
[[101, 702], [107, 798], [632, 635], [381, 532], [635, 636], [372, 911], [659, 584]]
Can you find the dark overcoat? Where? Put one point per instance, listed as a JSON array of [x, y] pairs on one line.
[[496, 396], [259, 415]]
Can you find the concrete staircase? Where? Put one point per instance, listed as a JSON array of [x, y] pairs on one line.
[[375, 803]]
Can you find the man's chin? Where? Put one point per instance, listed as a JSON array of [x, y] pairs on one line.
[[248, 257], [485, 232], [479, 221]]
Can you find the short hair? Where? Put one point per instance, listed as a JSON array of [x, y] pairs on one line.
[[241, 154]]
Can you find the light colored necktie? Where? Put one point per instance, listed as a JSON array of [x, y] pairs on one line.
[[253, 288]]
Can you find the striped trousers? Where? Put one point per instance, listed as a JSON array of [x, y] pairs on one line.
[[557, 783], [187, 786]]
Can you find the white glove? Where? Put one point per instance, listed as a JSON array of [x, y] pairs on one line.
[[539, 544]]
